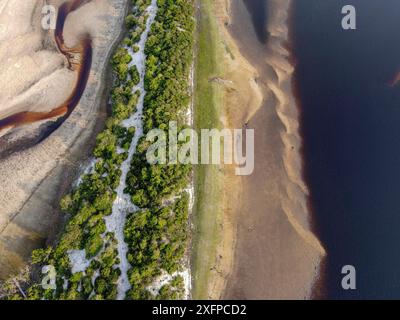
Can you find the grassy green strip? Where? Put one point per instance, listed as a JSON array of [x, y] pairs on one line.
[[207, 100]]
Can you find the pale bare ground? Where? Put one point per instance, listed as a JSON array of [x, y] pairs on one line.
[[241, 98], [32, 181], [267, 250], [33, 75]]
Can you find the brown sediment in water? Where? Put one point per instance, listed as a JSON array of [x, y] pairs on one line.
[[396, 79], [79, 59]]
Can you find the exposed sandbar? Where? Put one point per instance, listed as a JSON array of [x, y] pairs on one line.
[[276, 256]]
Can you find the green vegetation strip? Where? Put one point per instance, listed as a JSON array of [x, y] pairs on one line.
[[156, 234], [208, 185]]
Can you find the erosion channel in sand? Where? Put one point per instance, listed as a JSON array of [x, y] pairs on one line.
[[34, 178], [79, 58]]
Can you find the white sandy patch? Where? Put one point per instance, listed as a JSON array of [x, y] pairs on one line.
[[78, 260], [65, 284], [166, 278], [123, 205], [87, 169]]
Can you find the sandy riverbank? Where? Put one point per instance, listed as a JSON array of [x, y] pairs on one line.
[[33, 180], [267, 250], [33, 75]]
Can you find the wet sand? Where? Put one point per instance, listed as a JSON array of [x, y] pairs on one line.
[[33, 180], [275, 256], [79, 59]]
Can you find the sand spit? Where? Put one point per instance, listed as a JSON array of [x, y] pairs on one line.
[[275, 256], [33, 180], [287, 111]]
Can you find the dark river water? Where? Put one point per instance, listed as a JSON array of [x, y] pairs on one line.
[[259, 14], [350, 106], [348, 93]]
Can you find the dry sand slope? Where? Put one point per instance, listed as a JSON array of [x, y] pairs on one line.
[[33, 76], [276, 255]]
